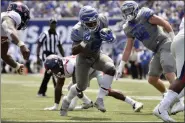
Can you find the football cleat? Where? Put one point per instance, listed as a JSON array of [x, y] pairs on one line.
[[177, 107], [99, 104], [65, 106], [162, 114], [137, 106], [87, 105], [84, 106]]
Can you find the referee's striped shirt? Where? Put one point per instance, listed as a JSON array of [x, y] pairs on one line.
[[49, 42]]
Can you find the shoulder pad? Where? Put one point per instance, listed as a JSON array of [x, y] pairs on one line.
[[15, 16]]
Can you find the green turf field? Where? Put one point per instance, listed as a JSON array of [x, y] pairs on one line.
[[19, 102]]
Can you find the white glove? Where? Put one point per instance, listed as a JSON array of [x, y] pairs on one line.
[[53, 108], [120, 69]]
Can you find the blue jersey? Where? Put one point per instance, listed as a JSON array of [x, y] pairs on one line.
[[95, 43]]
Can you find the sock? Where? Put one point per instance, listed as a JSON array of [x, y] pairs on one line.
[[102, 93], [85, 99], [73, 102], [72, 93], [168, 99], [130, 101]]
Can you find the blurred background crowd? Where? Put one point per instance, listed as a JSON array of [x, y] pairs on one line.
[[171, 10]]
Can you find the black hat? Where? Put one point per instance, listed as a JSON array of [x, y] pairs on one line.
[[52, 20]]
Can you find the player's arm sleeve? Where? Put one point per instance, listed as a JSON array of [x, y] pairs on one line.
[[146, 14], [76, 46], [75, 35]]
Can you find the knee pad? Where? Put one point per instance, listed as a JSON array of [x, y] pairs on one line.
[[111, 71]]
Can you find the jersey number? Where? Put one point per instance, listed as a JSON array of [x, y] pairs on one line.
[[140, 32]]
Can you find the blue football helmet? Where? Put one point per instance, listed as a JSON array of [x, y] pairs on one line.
[[88, 16], [129, 10], [54, 64]]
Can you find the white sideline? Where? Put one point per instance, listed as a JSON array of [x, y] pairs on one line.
[[41, 121]]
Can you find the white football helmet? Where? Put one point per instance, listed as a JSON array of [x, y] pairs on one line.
[[129, 10]]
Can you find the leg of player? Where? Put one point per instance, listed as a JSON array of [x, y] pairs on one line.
[[58, 94], [87, 103], [106, 65], [161, 110], [157, 83], [177, 87], [82, 78], [67, 100], [104, 82], [137, 106]]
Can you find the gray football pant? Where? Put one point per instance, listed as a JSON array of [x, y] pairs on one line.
[[101, 63]]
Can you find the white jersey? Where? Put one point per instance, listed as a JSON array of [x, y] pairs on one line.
[[177, 49], [181, 27], [69, 65], [17, 19]]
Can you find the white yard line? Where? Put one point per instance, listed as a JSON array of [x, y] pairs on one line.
[[37, 121]]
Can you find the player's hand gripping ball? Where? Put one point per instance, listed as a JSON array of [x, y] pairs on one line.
[[107, 35]]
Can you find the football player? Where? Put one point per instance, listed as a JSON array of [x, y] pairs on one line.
[[87, 36], [64, 68], [177, 49], [144, 25], [15, 18]]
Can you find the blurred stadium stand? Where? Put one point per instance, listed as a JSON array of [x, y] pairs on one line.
[[40, 10]]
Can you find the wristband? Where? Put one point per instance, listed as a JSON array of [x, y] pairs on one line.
[[20, 43], [83, 44]]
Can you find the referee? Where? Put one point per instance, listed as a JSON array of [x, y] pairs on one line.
[[49, 41]]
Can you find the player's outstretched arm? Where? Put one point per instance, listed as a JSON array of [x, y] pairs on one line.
[[9, 27], [58, 89], [162, 22], [125, 57]]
